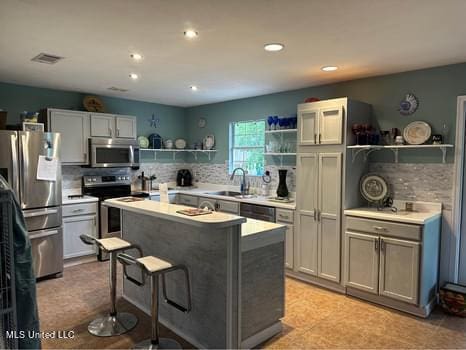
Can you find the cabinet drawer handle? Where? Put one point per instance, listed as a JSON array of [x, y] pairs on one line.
[[281, 216], [77, 210], [380, 228]]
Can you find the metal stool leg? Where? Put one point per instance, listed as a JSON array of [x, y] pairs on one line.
[[156, 342], [115, 323]]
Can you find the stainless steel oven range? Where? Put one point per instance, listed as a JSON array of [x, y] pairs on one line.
[[107, 187]]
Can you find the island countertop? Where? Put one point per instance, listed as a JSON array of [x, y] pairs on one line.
[[169, 212]]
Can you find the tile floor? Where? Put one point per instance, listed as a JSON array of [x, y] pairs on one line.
[[315, 318]]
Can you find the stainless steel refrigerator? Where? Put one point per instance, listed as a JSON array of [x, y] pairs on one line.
[[22, 156]]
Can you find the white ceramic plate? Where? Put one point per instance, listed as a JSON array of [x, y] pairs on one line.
[[143, 142], [373, 187], [180, 143], [209, 142], [417, 133]]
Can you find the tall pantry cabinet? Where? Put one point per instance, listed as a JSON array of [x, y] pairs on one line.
[[327, 183]]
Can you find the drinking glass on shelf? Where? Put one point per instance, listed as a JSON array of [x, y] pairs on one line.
[[270, 121], [275, 121]]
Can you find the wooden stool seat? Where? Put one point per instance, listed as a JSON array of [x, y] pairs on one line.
[[153, 264]]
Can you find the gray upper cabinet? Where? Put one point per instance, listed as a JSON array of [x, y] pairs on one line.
[[74, 129], [113, 126], [102, 125], [320, 123], [125, 127]]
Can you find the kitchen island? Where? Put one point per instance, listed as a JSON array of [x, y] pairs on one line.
[[236, 267]]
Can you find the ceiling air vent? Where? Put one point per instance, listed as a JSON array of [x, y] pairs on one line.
[[113, 88], [47, 58]]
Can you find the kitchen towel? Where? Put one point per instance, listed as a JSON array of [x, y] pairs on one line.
[[163, 189]]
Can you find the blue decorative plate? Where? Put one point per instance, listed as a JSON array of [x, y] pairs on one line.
[[409, 105], [155, 141]]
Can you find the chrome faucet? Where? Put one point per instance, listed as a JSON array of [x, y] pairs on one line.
[[244, 188]]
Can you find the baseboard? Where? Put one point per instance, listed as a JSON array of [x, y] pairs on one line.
[[262, 336], [79, 260], [336, 287], [420, 311]]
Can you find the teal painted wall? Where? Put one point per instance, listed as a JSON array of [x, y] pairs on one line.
[[17, 98], [436, 88]]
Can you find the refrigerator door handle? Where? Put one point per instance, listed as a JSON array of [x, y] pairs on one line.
[[43, 234], [24, 162], [14, 165], [40, 213]]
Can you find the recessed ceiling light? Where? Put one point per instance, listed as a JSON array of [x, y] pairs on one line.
[[136, 56], [190, 33], [193, 87], [329, 68], [133, 76], [273, 47]]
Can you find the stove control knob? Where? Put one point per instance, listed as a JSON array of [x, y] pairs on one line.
[[94, 179], [127, 178], [119, 178]]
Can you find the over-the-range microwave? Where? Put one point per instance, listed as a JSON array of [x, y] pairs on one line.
[[112, 153]]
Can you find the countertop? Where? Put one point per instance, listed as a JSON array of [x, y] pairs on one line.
[[84, 199], [203, 191], [421, 214], [169, 212], [257, 234]]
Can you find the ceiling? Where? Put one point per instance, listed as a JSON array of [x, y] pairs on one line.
[[227, 60]]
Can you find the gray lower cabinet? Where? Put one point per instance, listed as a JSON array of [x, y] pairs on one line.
[[399, 269], [186, 199], [379, 261], [228, 207], [286, 217], [171, 198], [78, 219], [219, 205], [362, 262]]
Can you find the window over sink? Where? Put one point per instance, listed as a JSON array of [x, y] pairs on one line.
[[247, 146]]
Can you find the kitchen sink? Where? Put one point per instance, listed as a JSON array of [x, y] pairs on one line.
[[225, 193]]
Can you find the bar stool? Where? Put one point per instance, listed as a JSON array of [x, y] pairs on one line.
[[115, 323], [155, 267]]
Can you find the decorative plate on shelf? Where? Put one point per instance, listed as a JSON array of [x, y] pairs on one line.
[[409, 105], [417, 133], [143, 142], [93, 104], [373, 187], [180, 143], [209, 142]]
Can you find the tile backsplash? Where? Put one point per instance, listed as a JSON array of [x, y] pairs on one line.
[[166, 172], [418, 182], [415, 182]]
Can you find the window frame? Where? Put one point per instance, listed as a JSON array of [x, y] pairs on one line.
[[231, 148]]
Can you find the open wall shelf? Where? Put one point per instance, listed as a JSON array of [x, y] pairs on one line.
[[365, 150], [194, 152], [280, 131]]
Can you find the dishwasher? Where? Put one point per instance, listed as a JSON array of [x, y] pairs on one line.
[[258, 212]]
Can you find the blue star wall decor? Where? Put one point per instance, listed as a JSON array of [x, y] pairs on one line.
[[154, 121]]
